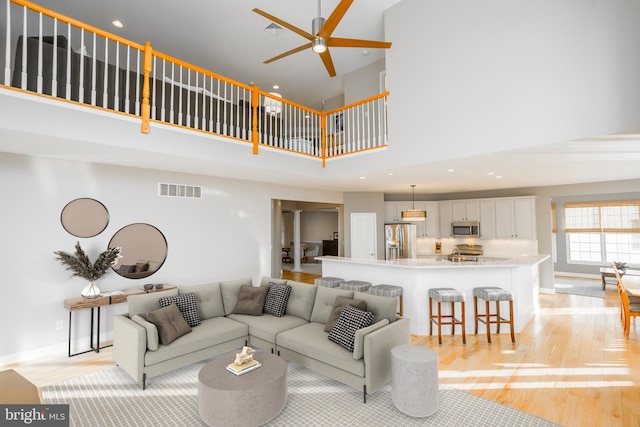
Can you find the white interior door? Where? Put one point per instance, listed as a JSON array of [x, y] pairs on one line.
[[363, 236]]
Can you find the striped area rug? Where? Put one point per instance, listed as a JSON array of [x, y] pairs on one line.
[[111, 398]]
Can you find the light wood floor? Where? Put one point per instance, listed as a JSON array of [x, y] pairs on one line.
[[570, 365]]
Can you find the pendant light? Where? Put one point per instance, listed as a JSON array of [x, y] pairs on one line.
[[413, 214]]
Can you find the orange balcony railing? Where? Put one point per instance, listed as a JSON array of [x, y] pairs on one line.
[[52, 55]]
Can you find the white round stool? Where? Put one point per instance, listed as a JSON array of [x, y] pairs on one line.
[[414, 380]]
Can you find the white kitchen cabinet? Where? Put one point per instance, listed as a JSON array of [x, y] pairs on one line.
[[515, 218], [465, 210], [393, 213], [487, 218], [432, 224]]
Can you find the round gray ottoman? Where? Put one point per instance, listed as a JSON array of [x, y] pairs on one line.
[[251, 399], [414, 380]]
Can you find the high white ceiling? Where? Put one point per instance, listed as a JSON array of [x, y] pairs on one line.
[[227, 37]]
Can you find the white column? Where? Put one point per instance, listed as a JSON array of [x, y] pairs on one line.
[[296, 241]]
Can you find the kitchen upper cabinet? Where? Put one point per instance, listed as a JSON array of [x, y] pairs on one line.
[[487, 218], [515, 218], [432, 224], [465, 210], [393, 213]]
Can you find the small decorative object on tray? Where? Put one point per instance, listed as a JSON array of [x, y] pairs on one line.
[[244, 362]]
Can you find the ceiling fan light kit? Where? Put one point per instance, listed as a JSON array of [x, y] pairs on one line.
[[320, 39], [319, 45]]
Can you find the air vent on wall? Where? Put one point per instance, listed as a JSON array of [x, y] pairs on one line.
[[179, 190]]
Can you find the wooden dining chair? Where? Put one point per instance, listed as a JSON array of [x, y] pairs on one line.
[[620, 291], [630, 310]]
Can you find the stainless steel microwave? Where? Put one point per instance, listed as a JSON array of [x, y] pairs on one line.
[[465, 229]]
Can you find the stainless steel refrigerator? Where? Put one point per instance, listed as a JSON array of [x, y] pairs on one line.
[[400, 241]]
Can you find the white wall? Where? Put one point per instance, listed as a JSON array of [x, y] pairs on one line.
[[474, 77], [363, 83], [225, 235], [316, 226]]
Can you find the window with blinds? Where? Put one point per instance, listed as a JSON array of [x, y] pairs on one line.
[[603, 232], [602, 217]]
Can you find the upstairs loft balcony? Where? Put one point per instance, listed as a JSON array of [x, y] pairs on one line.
[[54, 56]]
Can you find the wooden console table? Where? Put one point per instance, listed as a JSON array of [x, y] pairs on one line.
[[75, 304]]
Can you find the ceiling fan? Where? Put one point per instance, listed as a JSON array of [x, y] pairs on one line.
[[320, 41]]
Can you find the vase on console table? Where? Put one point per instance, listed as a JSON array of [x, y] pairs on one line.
[[90, 291]]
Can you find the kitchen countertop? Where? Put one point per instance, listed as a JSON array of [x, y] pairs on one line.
[[518, 274], [440, 261]]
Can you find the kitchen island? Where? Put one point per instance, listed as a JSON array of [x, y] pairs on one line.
[[417, 276]]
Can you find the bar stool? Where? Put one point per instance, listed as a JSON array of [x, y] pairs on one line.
[[355, 285], [488, 294], [328, 282], [446, 295], [388, 291]]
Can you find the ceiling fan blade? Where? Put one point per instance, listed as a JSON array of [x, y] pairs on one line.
[[328, 63], [290, 52], [340, 42], [334, 19], [284, 24]]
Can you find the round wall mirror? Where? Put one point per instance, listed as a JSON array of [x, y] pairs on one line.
[[144, 250], [84, 217]]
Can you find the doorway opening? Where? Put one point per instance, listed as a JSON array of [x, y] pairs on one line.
[[303, 231]]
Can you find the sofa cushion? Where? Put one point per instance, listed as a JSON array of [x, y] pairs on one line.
[[358, 341], [170, 323], [186, 304], [266, 280], [266, 327], [276, 301], [151, 331], [208, 298], [337, 310], [230, 290], [251, 300], [324, 302], [351, 319], [211, 332], [301, 299], [311, 340], [381, 307], [144, 303]]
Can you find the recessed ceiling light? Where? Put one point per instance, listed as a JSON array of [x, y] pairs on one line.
[[450, 170], [276, 87], [498, 176], [117, 23], [390, 174], [491, 173], [365, 52], [363, 177]]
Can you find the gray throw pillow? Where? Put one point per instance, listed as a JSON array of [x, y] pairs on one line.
[[337, 309], [251, 300], [186, 304], [170, 323]]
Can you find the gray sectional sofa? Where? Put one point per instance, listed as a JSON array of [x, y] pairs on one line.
[[299, 335]]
